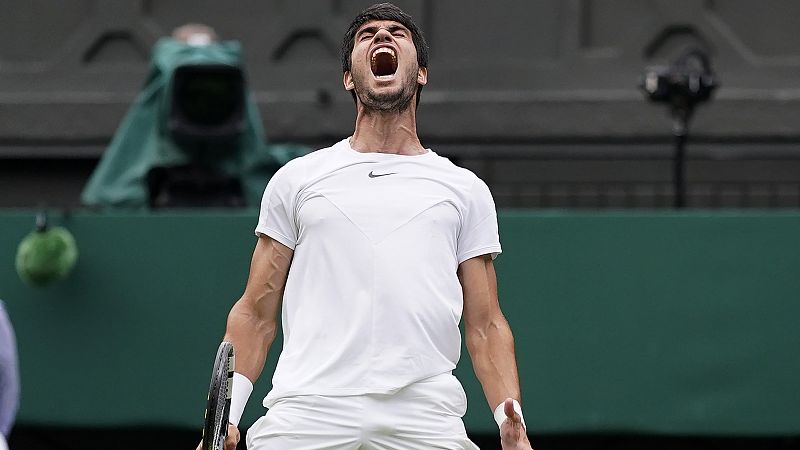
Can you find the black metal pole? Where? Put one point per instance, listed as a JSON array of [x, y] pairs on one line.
[[679, 170], [680, 131]]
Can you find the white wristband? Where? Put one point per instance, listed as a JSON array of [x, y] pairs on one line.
[[500, 413], [242, 388]]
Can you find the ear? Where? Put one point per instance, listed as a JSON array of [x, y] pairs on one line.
[[422, 76], [347, 80]]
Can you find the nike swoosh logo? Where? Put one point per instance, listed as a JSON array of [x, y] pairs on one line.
[[376, 175]]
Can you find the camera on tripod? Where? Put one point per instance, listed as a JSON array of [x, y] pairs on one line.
[[684, 84]]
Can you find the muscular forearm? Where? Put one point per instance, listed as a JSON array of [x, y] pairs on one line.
[[253, 320], [251, 337], [491, 348]]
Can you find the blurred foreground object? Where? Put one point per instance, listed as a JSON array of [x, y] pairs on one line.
[[684, 84], [193, 137], [9, 376], [46, 254]]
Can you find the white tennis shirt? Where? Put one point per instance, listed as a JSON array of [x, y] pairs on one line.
[[372, 302]]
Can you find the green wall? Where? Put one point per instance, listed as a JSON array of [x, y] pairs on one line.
[[645, 322]]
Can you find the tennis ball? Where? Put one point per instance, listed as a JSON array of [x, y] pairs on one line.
[[45, 256]]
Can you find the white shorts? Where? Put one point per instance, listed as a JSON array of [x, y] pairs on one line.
[[423, 416]]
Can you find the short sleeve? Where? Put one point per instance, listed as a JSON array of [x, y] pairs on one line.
[[277, 216], [479, 235]]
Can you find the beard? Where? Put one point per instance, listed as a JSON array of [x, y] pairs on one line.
[[395, 101]]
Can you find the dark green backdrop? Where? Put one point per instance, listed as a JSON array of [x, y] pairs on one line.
[[645, 322]]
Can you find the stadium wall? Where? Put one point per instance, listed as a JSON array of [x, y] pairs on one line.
[[661, 323], [555, 81]]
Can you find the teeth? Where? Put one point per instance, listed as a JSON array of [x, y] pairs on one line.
[[384, 50]]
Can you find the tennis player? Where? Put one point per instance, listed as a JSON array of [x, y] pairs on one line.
[[373, 250]]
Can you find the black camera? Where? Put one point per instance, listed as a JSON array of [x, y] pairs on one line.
[[688, 81], [206, 119], [207, 104], [682, 85]]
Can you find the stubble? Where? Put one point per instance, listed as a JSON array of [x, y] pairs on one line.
[[397, 101]]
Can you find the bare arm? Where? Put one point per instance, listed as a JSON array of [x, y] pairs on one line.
[[491, 347], [253, 320], [488, 336]]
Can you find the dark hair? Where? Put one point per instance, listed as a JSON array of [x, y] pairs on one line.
[[384, 11]]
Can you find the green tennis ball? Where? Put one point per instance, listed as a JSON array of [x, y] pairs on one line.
[[46, 256]]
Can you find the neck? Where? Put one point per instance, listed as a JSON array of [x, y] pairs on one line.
[[386, 132]]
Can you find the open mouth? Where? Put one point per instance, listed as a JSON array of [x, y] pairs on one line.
[[383, 62]]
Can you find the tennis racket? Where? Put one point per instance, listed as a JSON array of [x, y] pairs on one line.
[[215, 428]]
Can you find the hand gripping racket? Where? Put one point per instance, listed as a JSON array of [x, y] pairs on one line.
[[215, 429]]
